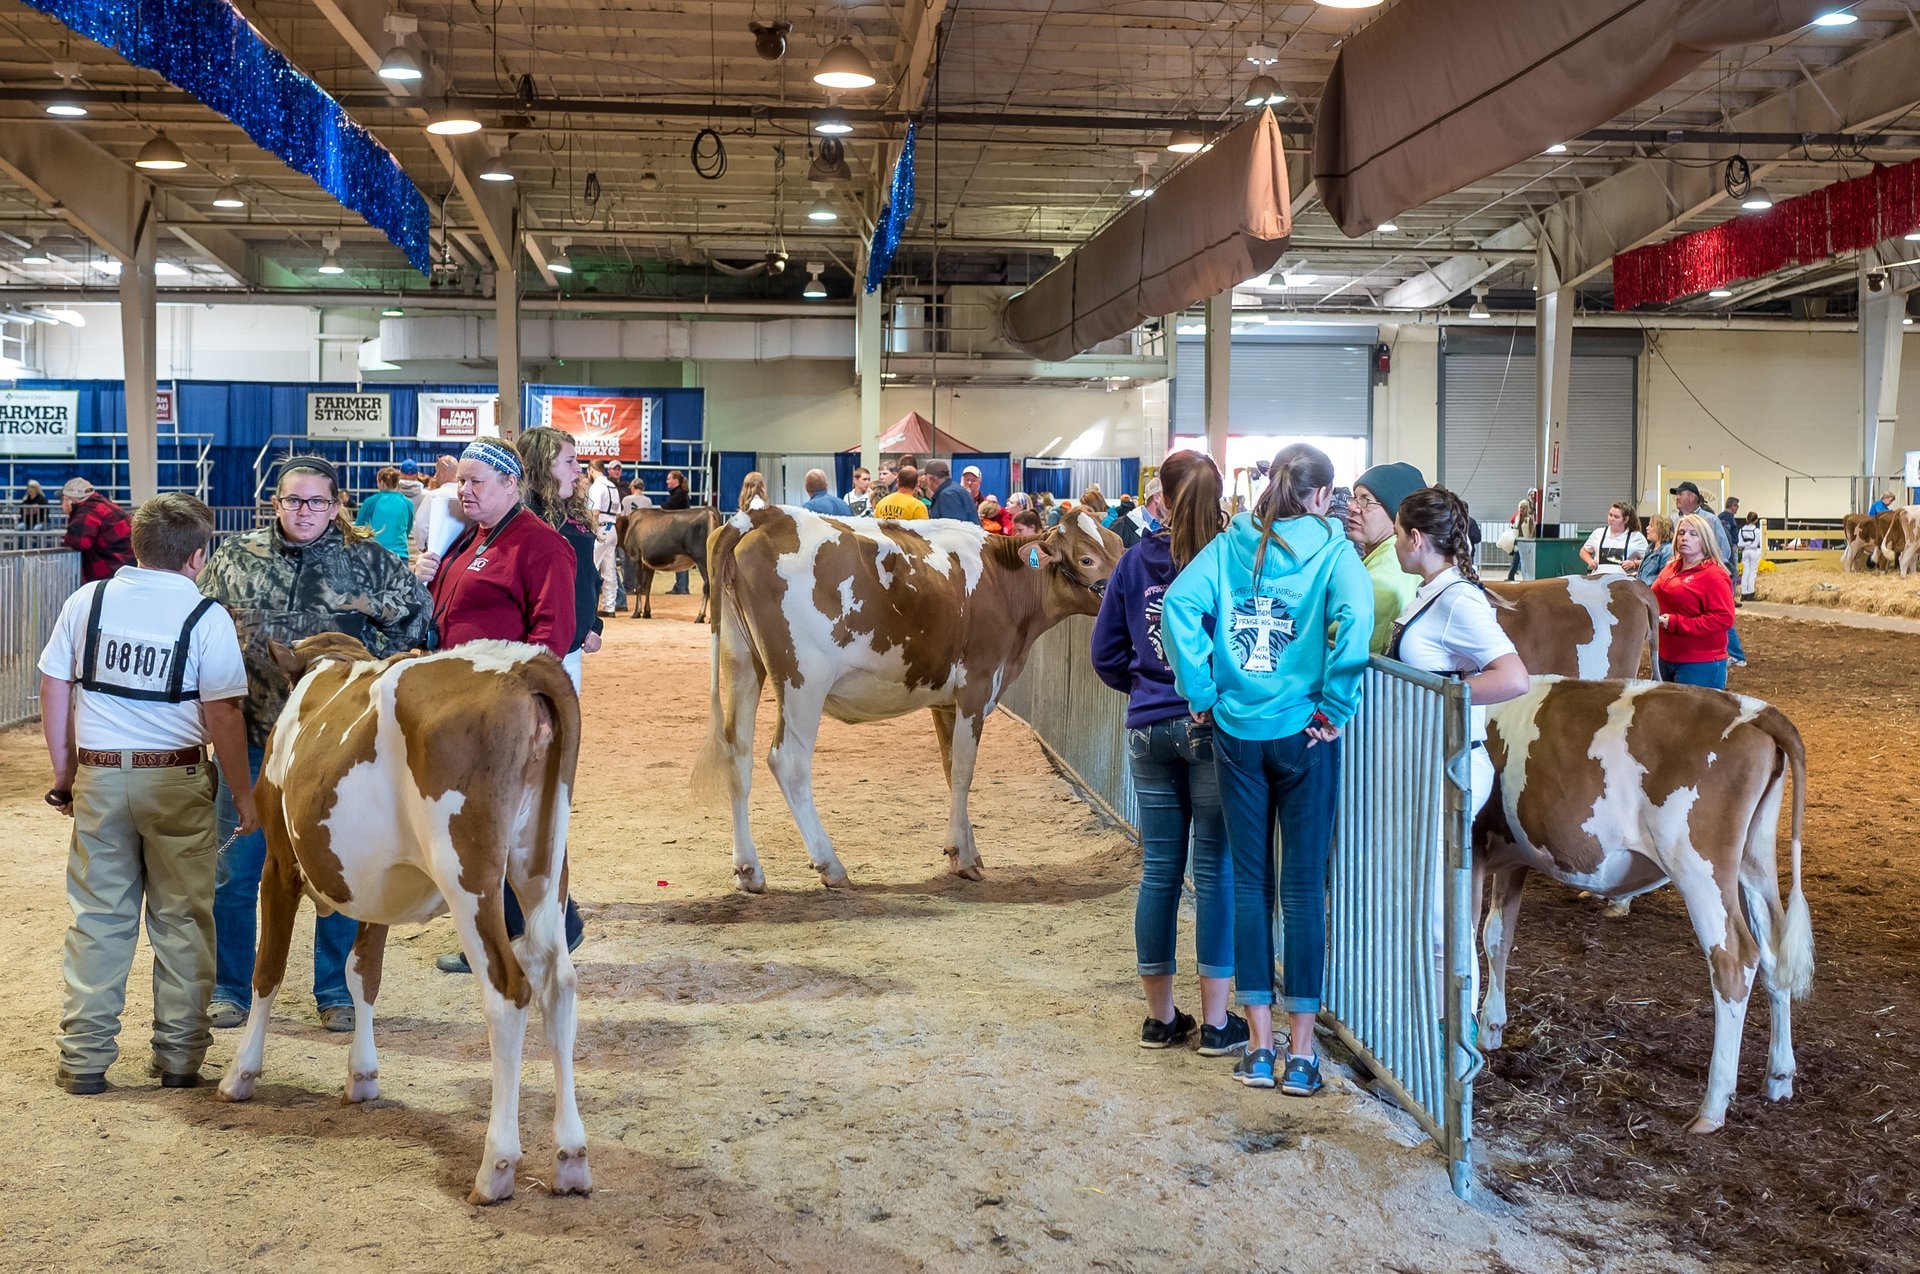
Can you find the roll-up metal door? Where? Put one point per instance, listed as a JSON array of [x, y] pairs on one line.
[[1312, 388], [1489, 436]]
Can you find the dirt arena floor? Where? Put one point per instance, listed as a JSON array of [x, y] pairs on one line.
[[1611, 1024], [918, 1073]]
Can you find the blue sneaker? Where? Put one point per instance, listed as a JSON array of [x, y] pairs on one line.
[[1302, 1078], [1255, 1070]]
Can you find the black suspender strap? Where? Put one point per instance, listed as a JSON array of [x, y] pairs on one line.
[[176, 691], [177, 679], [92, 649]]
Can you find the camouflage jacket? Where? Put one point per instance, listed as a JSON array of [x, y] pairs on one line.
[[285, 592]]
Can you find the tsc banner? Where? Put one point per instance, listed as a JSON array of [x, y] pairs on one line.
[[606, 427], [458, 417], [349, 415], [39, 422]]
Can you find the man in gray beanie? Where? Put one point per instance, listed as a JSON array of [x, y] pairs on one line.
[[1376, 499]]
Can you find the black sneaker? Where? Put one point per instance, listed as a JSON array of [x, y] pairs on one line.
[[81, 1083], [1302, 1078], [1225, 1040], [1157, 1034]]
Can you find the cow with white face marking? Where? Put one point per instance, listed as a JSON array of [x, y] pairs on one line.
[[863, 620], [394, 790], [1617, 788], [1591, 626]]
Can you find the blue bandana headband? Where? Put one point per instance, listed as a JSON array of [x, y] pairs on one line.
[[494, 455]]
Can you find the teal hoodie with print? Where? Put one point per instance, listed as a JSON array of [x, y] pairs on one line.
[[1264, 658]]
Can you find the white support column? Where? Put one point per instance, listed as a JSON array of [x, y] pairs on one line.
[[1553, 365], [866, 363], [1219, 371], [506, 335], [138, 316], [1881, 332]]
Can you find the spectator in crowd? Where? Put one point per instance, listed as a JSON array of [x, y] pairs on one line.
[[861, 498], [636, 496], [990, 516], [603, 500], [1752, 543], [1369, 526], [821, 500], [1048, 508], [902, 503], [510, 577], [388, 514], [1659, 549], [1142, 519], [925, 489], [885, 483], [949, 500], [617, 476], [1523, 528], [1617, 547], [1687, 500], [98, 528], [311, 571], [555, 493], [753, 492], [1026, 522], [1175, 782], [1696, 606], [1245, 628], [1730, 521], [129, 767], [1094, 502], [33, 507], [1120, 511], [410, 485], [678, 497], [970, 479], [1881, 505], [439, 509]]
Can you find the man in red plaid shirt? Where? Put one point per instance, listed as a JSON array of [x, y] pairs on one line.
[[98, 528]]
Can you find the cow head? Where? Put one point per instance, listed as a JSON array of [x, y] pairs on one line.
[[294, 662], [1079, 555]]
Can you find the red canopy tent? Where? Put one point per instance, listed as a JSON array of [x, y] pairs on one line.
[[915, 435]]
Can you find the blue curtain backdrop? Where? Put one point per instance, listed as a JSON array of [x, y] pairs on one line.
[[731, 469], [996, 470], [844, 463]]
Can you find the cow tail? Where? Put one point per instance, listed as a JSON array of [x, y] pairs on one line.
[[710, 782], [1652, 604], [1793, 956]]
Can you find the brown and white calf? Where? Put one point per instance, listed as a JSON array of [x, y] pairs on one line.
[[1619, 787], [396, 789], [1593, 626], [863, 620]]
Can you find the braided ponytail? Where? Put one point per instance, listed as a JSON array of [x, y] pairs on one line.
[[1442, 517]]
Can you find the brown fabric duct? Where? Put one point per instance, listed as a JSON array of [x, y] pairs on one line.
[[1221, 219], [1437, 94]]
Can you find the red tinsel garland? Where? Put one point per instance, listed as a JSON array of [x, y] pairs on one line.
[[1844, 217]]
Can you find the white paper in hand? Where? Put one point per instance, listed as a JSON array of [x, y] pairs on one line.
[[445, 521]]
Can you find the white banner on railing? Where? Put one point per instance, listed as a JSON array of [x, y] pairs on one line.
[[349, 415], [458, 417], [39, 422]]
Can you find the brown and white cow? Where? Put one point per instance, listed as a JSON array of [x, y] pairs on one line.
[[1900, 540], [1592, 626], [397, 789], [1862, 533], [1619, 787], [862, 620], [666, 540]]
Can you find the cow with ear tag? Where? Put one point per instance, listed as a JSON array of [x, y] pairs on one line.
[[397, 789], [862, 620]]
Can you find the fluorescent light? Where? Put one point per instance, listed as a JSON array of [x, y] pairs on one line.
[[399, 65], [1386, 227], [167, 270], [561, 262], [160, 155], [844, 66], [1558, 148], [821, 212], [815, 289], [559, 266], [1141, 192], [66, 109], [1759, 199], [1837, 18], [1720, 294], [452, 122], [228, 197], [107, 265], [392, 311], [1480, 310]]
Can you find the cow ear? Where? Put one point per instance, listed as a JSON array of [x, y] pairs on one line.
[[1044, 551], [290, 662]]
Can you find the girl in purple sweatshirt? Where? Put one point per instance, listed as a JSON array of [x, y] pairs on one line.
[[1170, 754]]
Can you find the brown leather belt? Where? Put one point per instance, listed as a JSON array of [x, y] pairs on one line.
[[143, 760]]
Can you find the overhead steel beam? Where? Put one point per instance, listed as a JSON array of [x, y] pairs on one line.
[[913, 77], [1455, 275], [80, 183]]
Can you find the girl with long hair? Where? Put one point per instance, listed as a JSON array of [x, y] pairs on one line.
[[1617, 547], [1266, 630], [753, 492], [1695, 594], [553, 492], [1170, 754]]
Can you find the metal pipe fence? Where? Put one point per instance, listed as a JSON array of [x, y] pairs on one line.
[[33, 585], [1399, 990]]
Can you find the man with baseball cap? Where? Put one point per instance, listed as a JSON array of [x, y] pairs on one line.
[[970, 479], [1377, 494]]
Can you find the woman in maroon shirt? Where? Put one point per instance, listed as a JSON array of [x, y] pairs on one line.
[[510, 576], [1696, 608]]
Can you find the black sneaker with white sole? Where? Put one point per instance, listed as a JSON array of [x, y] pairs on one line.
[[1157, 1034], [1224, 1040]]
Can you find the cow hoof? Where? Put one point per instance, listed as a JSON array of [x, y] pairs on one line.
[[750, 880], [1617, 908], [571, 1174], [493, 1185], [1701, 1125], [833, 877], [237, 1086], [1779, 1087], [976, 870], [361, 1088], [1490, 1036]]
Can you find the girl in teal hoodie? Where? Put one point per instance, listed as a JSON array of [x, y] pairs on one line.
[[1267, 633]]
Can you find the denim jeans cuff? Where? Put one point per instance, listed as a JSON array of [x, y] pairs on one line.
[[1215, 970], [1300, 1004], [1160, 969], [1244, 998]]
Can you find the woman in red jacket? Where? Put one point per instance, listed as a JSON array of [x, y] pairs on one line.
[[1696, 608]]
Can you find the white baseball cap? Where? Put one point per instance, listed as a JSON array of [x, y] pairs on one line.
[[972, 469]]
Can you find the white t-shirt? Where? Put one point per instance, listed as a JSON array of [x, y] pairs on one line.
[[441, 520], [1458, 632], [1611, 552], [140, 623], [604, 499]]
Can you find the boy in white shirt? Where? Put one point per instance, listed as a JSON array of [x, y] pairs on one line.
[[160, 675]]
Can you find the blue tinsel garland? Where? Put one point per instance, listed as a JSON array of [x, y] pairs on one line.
[[893, 218], [207, 48]]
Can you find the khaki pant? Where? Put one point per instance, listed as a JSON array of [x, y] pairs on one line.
[[140, 833]]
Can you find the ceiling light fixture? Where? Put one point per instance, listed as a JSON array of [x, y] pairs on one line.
[[392, 311], [228, 196], [1912, 238], [561, 262], [832, 124], [1480, 310], [815, 289], [1187, 139], [1144, 187], [830, 163], [36, 255], [160, 155], [330, 263], [1262, 90], [844, 66], [1759, 199], [496, 169], [452, 121], [64, 105], [66, 109], [820, 211], [770, 39], [1558, 148], [1386, 227], [1263, 55], [1838, 18], [399, 65], [1720, 294]]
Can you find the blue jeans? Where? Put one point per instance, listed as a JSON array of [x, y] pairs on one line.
[[1734, 649], [1175, 789], [1711, 673], [517, 920], [1261, 779], [236, 915], [680, 585]]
